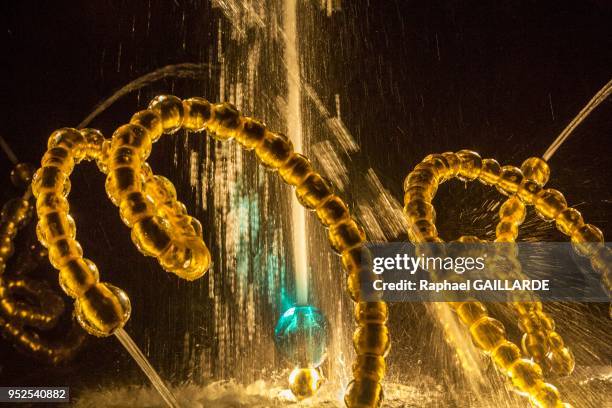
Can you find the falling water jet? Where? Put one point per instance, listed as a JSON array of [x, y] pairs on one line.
[[582, 115], [146, 367], [293, 117], [7, 149]]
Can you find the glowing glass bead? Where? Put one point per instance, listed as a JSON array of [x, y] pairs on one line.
[[364, 393], [77, 276], [371, 312], [135, 207], [49, 202], [569, 220], [488, 333], [49, 179], [133, 136], [151, 235], [313, 191], [601, 261], [528, 191], [370, 367], [372, 338], [525, 374], [304, 382], [18, 211], [506, 231], [549, 203], [188, 259], [471, 312], [151, 121], [121, 182], [453, 163], [421, 178], [421, 230], [225, 122], [439, 164], [471, 164], [170, 109], [505, 355], [102, 310], [536, 169], [64, 250], [295, 170], [587, 239], [513, 210], [534, 345], [490, 172], [332, 211], [197, 113], [102, 159], [420, 193], [546, 395], [57, 225], [93, 143], [21, 175], [274, 150], [509, 180], [251, 134], [71, 139], [418, 210], [301, 336], [345, 235]]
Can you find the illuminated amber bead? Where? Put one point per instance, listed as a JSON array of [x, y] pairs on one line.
[[587, 239], [93, 143], [332, 211], [304, 382], [601, 260], [102, 159], [513, 210], [77, 276], [369, 366], [364, 393], [313, 191], [421, 178], [421, 230], [372, 338], [70, 139], [123, 157], [506, 231], [471, 312], [439, 163], [471, 164], [510, 179], [528, 191], [569, 220], [189, 259], [295, 170], [121, 182], [550, 203], [8, 228], [535, 345], [536, 169], [170, 109], [490, 172], [197, 113], [251, 134], [547, 396], [48, 202], [17, 210], [59, 157], [561, 361], [21, 175], [418, 210], [56, 226], [150, 120], [134, 136], [102, 309], [225, 122], [353, 259], [420, 193], [488, 333], [505, 355], [345, 235], [64, 250], [6, 249], [524, 308], [135, 207], [274, 150], [453, 163], [525, 374], [353, 286], [371, 312], [151, 235], [48, 179]]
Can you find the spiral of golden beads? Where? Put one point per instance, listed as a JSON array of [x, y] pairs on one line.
[[19, 318]]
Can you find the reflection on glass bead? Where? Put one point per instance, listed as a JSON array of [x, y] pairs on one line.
[[102, 309], [197, 113], [364, 393], [550, 203], [301, 336], [536, 169], [471, 164], [151, 121], [274, 150], [21, 175], [510, 179], [569, 220], [170, 109], [490, 171], [304, 382]]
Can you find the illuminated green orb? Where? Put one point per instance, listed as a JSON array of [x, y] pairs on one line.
[[301, 336]]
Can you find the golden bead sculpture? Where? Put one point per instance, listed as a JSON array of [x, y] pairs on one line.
[[19, 317], [160, 226], [488, 333]]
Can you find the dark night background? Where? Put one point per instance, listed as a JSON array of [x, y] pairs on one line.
[[502, 78]]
